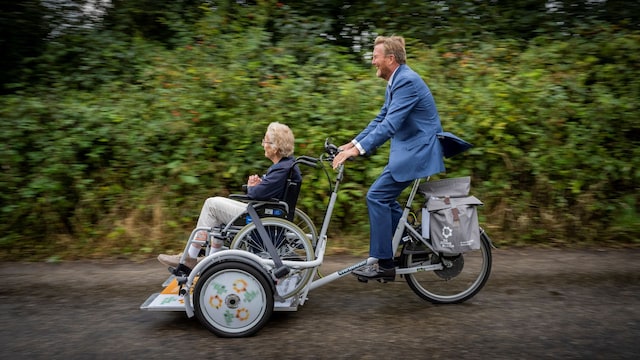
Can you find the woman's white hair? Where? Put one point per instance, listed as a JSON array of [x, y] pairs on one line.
[[282, 138]]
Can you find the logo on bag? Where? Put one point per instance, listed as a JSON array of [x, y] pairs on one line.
[[447, 232]]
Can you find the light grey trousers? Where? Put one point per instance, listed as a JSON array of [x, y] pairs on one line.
[[220, 210]]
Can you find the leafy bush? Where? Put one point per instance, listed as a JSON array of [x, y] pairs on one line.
[[118, 156]]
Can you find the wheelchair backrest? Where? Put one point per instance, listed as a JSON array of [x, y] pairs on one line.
[[292, 191]]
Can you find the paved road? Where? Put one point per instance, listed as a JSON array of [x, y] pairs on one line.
[[538, 304]]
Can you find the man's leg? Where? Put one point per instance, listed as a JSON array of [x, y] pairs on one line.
[[384, 214]]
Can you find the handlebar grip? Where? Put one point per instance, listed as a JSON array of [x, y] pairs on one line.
[[307, 160]]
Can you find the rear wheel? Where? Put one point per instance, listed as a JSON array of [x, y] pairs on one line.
[[290, 242], [233, 299], [303, 221], [460, 279]]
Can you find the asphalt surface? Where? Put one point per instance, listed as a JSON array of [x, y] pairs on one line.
[[538, 304]]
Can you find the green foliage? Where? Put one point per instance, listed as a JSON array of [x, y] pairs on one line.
[[115, 137]]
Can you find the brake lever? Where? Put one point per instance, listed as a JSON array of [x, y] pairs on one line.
[[331, 148]]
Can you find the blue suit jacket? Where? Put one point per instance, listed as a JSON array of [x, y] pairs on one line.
[[410, 119]]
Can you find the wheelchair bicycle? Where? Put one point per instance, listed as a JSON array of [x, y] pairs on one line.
[[269, 263]]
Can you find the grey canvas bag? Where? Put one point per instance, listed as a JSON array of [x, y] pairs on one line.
[[456, 187], [451, 215]]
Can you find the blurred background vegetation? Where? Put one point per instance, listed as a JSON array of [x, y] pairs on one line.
[[118, 118]]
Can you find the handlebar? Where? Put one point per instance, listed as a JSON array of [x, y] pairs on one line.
[[330, 149], [307, 160]]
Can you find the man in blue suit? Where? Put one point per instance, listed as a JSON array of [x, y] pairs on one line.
[[410, 119]]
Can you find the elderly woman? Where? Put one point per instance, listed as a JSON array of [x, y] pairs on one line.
[[278, 144]]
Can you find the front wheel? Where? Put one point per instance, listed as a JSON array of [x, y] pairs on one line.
[[233, 299], [461, 278]]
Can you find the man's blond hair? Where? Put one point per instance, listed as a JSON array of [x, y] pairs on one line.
[[393, 45]]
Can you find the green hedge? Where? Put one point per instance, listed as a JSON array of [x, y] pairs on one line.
[[119, 160]]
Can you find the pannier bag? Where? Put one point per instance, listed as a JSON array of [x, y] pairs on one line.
[[451, 215]]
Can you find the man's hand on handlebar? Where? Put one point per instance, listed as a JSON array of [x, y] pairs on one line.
[[346, 151]]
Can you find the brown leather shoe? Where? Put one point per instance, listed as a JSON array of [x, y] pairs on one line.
[[374, 272], [174, 260]]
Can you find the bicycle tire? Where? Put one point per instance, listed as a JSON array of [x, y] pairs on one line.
[[467, 275], [221, 303]]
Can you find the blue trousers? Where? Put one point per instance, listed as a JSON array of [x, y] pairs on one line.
[[384, 213]]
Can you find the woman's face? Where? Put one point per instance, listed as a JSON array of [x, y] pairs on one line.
[[270, 150]]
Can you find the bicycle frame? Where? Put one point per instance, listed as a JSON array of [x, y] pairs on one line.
[[403, 225], [313, 283]]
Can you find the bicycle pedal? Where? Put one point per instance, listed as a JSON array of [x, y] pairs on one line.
[[362, 279], [385, 280]]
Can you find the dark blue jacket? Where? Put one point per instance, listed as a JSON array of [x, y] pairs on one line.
[[275, 180]]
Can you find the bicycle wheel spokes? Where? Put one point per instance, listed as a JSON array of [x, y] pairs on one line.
[[303, 221], [461, 278], [290, 243]]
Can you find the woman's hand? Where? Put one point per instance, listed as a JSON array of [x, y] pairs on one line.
[[254, 180]]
